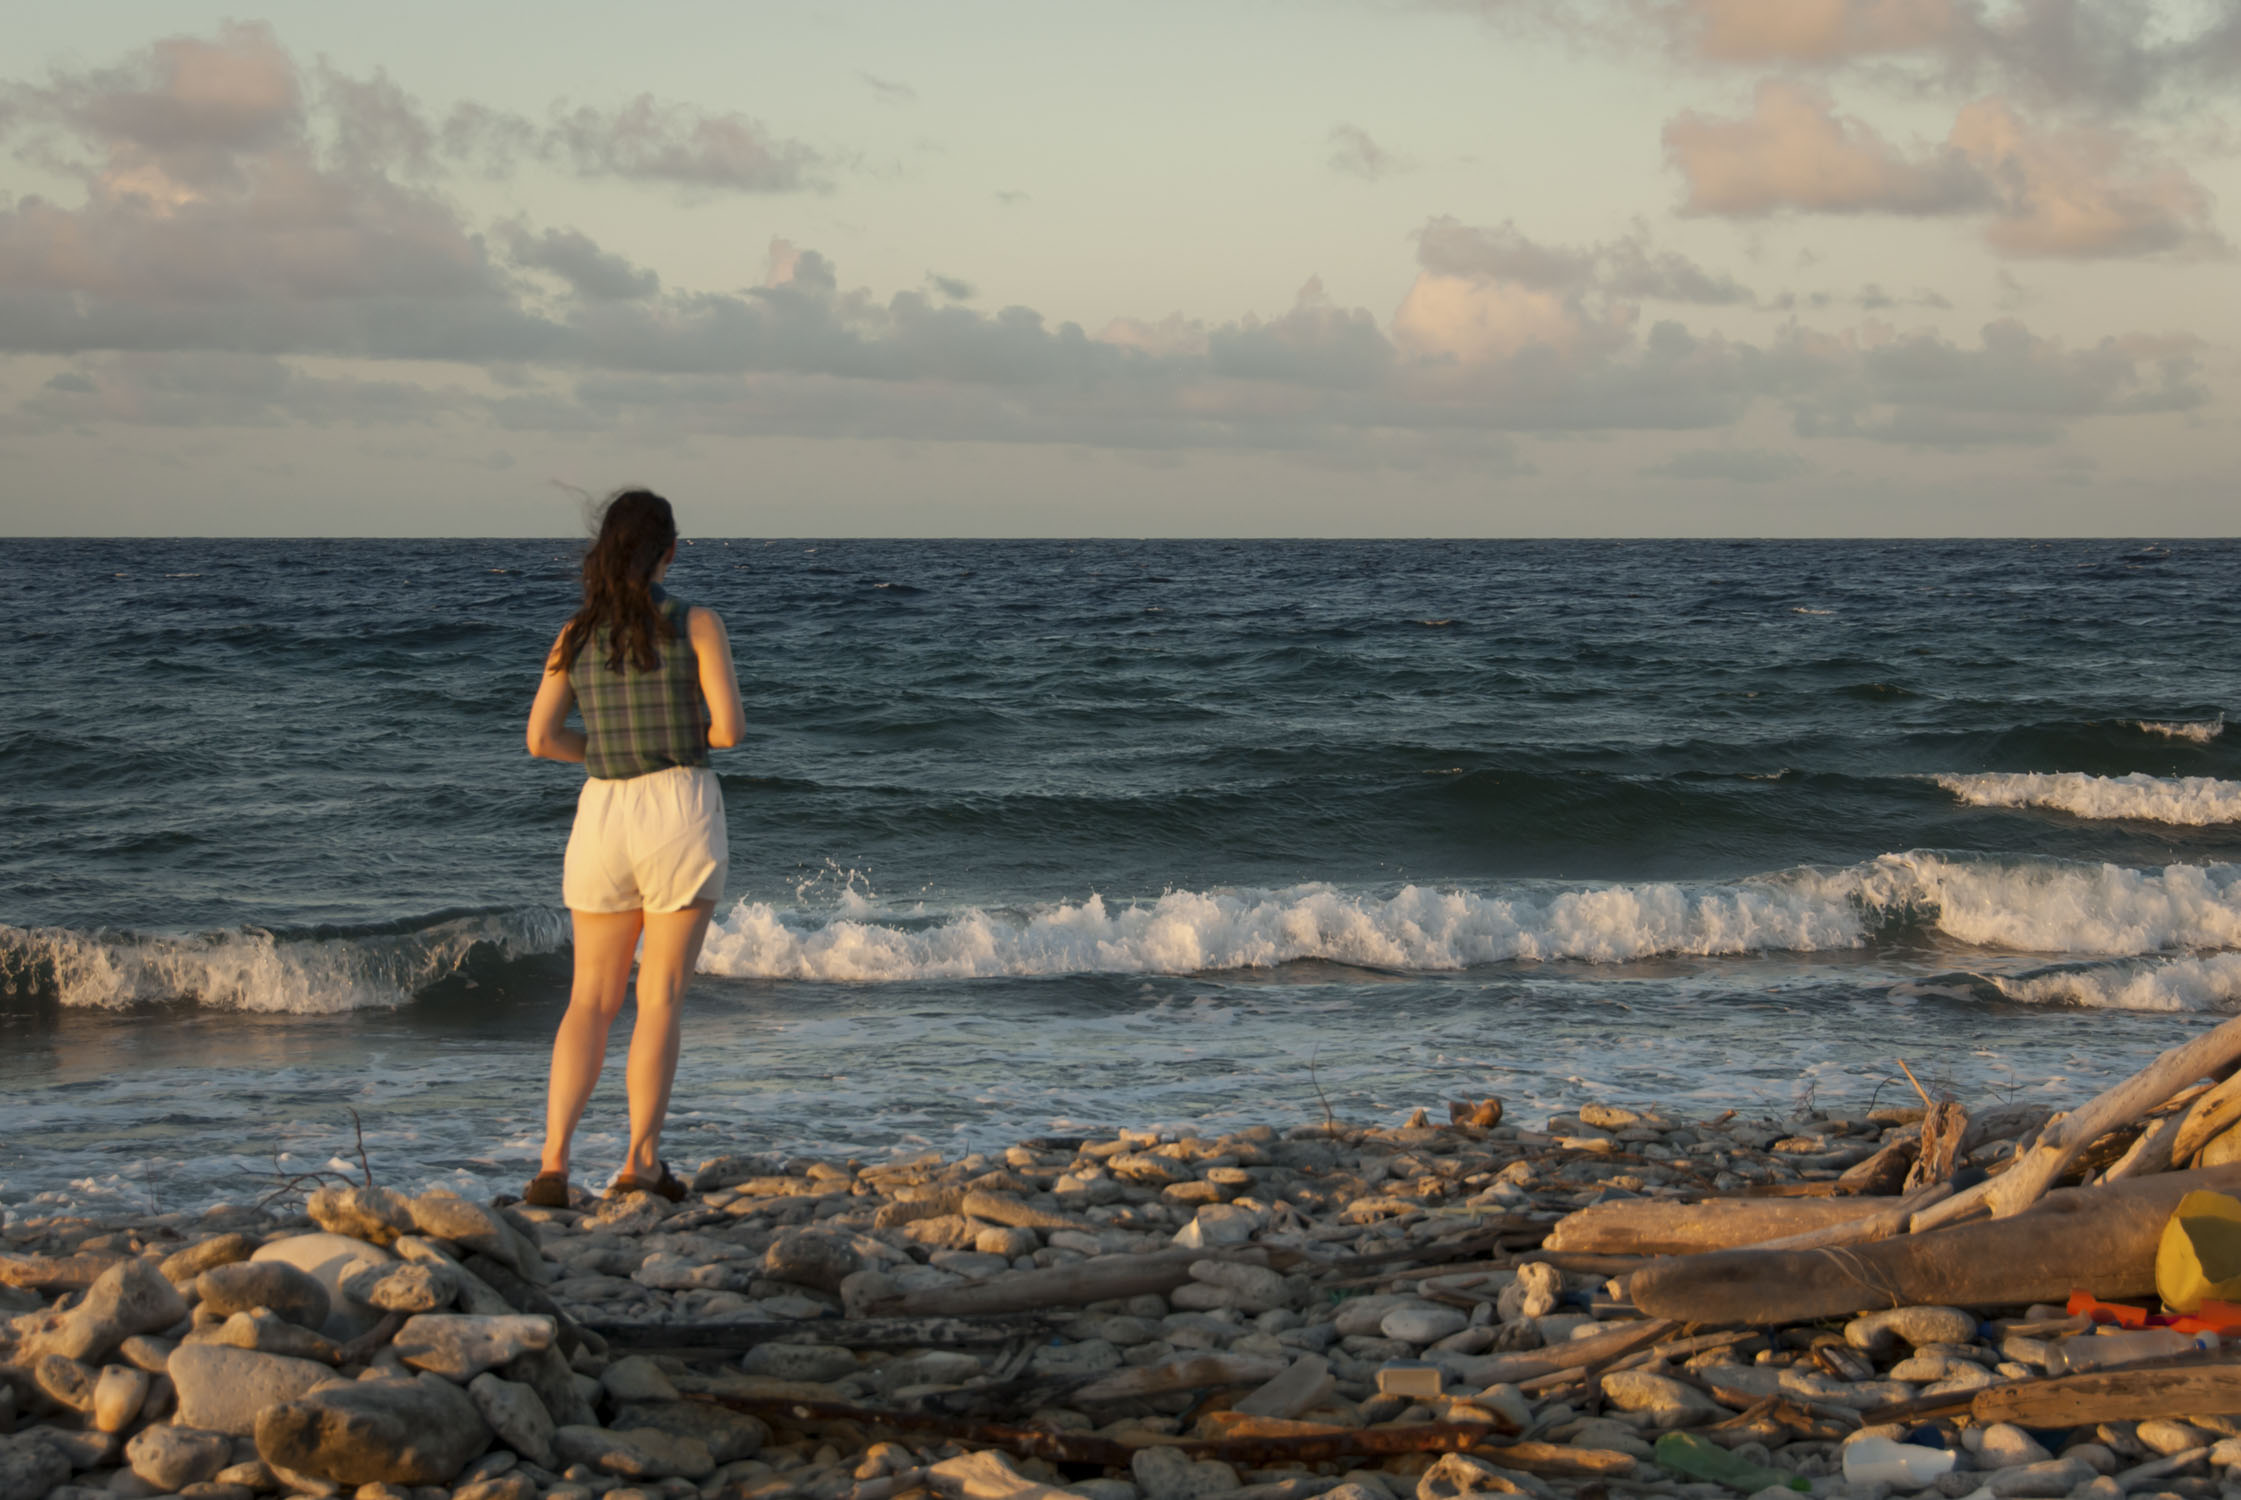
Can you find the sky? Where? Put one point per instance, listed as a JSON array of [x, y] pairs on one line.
[[1074, 268]]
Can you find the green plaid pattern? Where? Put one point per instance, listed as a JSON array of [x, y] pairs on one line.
[[639, 722]]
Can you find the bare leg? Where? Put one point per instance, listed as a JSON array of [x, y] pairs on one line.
[[604, 944], [672, 947]]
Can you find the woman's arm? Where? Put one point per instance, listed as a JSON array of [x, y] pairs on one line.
[[727, 721], [550, 738]]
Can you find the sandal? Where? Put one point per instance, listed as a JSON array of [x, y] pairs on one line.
[[666, 1186], [546, 1190]]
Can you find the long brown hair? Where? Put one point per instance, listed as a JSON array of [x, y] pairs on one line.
[[636, 528]]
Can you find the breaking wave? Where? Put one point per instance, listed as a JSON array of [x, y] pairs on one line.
[[324, 971], [2197, 731], [2197, 801], [2023, 906]]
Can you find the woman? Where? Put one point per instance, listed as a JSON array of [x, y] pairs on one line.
[[648, 856]]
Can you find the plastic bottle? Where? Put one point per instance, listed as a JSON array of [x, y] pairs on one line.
[[1907, 1466], [2099, 1351]]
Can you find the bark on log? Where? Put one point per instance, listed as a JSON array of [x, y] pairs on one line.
[[1885, 1172], [2120, 1395], [1575, 1354], [1656, 1226], [2101, 1238], [1943, 1126], [2066, 1139]]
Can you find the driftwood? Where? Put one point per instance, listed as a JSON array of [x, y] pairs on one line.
[[1093, 1448], [1190, 1373], [1659, 1226], [2125, 1394], [1944, 1124], [2068, 1137], [1883, 1173], [1104, 1279], [2101, 1238], [855, 1333], [1577, 1354], [2002, 1122], [2209, 1116], [2149, 1153]]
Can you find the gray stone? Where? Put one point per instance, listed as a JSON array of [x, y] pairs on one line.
[[476, 1295], [130, 1297], [326, 1257], [517, 1416], [1303, 1385], [222, 1389], [81, 1449], [29, 1468], [1666, 1403], [508, 1486], [640, 1453], [1218, 1224], [727, 1435], [1252, 1288], [2003, 1445], [376, 1215], [462, 1346], [2039, 1481], [267, 1332], [1165, 1474], [1458, 1474], [294, 1295], [1423, 1325], [1536, 1293], [799, 1361], [401, 1287], [546, 1373], [421, 1431], [144, 1351], [117, 1396], [171, 1458], [181, 1267], [65, 1382], [2165, 1436], [251, 1474], [807, 1258], [469, 1225], [634, 1377], [1877, 1331]]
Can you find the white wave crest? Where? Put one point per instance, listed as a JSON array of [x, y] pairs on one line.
[[2211, 983], [2200, 731], [2197, 801], [2031, 906], [256, 971]]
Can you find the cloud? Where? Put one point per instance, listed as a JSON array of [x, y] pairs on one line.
[[1356, 155], [1628, 267], [2093, 54], [889, 90], [575, 258], [2088, 191], [649, 141], [954, 288], [1795, 152], [1316, 343], [226, 390], [1732, 465]]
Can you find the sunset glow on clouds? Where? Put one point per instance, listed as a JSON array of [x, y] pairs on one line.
[[1824, 266]]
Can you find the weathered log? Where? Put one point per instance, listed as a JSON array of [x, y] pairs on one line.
[[2125, 1394], [2100, 1238], [2002, 1122], [1190, 1373], [1885, 1172], [1099, 1280], [2211, 1115], [2149, 1154], [854, 1333], [1660, 1226], [1576, 1354], [1559, 1459], [2068, 1137], [1943, 1127]]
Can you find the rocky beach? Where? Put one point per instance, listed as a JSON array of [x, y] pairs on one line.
[[1427, 1310]]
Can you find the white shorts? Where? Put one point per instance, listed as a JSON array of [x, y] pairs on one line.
[[653, 843]]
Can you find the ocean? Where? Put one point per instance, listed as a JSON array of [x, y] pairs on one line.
[[1036, 836]]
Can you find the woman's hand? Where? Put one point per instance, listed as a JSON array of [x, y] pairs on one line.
[[550, 738], [727, 721]]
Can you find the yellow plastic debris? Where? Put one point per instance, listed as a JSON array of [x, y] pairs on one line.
[[2200, 1255]]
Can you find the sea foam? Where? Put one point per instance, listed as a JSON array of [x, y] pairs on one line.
[[2027, 906], [2197, 801], [254, 970]]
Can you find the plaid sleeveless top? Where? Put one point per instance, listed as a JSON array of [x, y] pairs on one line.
[[639, 722]]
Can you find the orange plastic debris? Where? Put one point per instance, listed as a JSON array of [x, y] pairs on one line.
[[2123, 1314], [2213, 1316]]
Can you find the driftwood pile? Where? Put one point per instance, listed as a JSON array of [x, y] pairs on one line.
[[1619, 1303]]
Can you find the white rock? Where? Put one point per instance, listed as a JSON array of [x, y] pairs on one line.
[[327, 1257], [222, 1389], [1915, 1325], [171, 1458], [1667, 1403], [1218, 1224], [117, 1395], [1423, 1325], [2006, 1446], [517, 1416], [460, 1346], [1536, 1292]]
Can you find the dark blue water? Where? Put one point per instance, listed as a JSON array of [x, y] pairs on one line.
[[1114, 831]]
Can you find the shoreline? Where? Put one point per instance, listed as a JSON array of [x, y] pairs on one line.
[[1365, 1312]]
